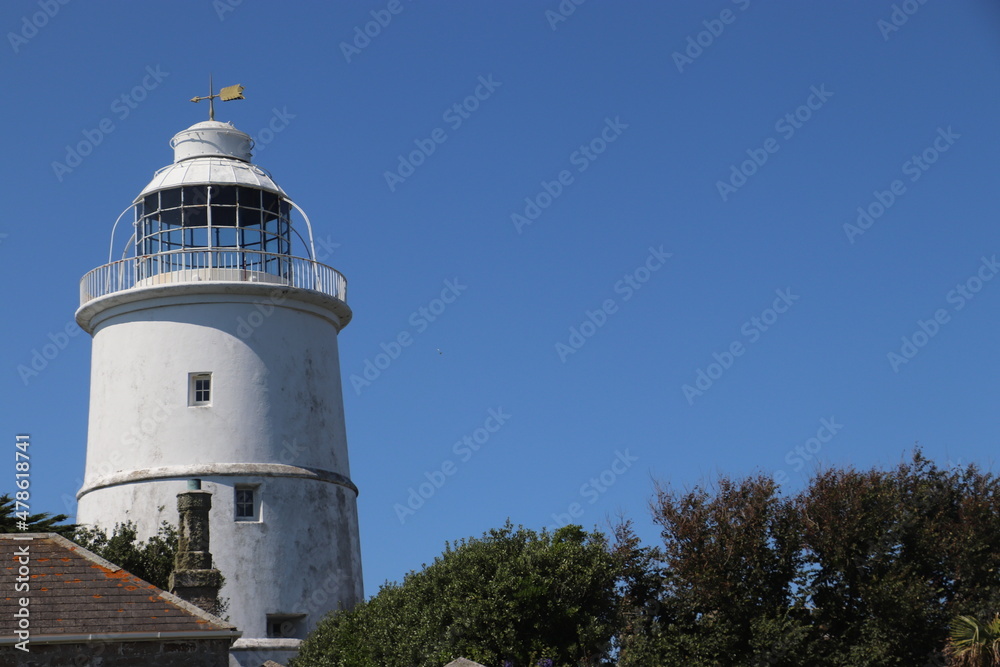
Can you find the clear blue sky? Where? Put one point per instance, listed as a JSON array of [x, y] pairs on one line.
[[641, 138]]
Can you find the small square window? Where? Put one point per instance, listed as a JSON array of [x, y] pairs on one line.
[[247, 503], [199, 389]]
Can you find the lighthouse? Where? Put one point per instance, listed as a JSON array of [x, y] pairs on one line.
[[215, 358]]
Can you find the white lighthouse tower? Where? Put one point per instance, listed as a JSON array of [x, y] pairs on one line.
[[215, 358]]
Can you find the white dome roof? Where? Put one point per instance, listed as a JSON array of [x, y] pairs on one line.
[[211, 171], [211, 152]]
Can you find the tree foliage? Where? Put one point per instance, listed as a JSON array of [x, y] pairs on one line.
[[858, 569], [151, 560], [728, 569], [513, 597], [43, 522]]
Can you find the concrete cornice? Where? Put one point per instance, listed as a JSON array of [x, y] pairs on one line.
[[93, 313], [217, 470]]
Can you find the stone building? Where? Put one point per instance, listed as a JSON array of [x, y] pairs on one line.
[[66, 606]]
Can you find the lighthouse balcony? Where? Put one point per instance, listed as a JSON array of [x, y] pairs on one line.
[[212, 265]]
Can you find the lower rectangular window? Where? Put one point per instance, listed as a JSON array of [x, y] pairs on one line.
[[247, 503], [287, 626]]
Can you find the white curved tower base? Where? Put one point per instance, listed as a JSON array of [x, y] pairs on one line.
[[274, 425]]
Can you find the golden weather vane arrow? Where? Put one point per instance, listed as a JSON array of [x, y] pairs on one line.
[[225, 94]]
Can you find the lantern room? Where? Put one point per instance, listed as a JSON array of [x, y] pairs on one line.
[[213, 215]]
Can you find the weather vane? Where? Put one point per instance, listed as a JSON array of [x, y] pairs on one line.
[[225, 94]]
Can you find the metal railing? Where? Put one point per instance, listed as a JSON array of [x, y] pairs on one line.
[[194, 266]]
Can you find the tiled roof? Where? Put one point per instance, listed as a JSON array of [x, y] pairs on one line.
[[74, 592]]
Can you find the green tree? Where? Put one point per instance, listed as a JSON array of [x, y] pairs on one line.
[[43, 522], [512, 597], [151, 560]]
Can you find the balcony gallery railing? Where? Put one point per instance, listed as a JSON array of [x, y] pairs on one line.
[[193, 266]]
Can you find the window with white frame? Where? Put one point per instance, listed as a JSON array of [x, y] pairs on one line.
[[199, 389], [247, 503]]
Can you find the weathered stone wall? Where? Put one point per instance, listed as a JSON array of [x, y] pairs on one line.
[[181, 653]]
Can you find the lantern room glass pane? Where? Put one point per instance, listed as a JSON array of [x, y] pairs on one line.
[[242, 217], [172, 240], [251, 239], [249, 197], [195, 216], [170, 198], [170, 218], [249, 217], [195, 195], [196, 237], [225, 237], [269, 203], [224, 194], [223, 216]]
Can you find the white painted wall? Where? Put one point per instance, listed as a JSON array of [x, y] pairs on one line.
[[276, 420]]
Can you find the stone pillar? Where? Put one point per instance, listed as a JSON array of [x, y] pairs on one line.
[[194, 579]]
